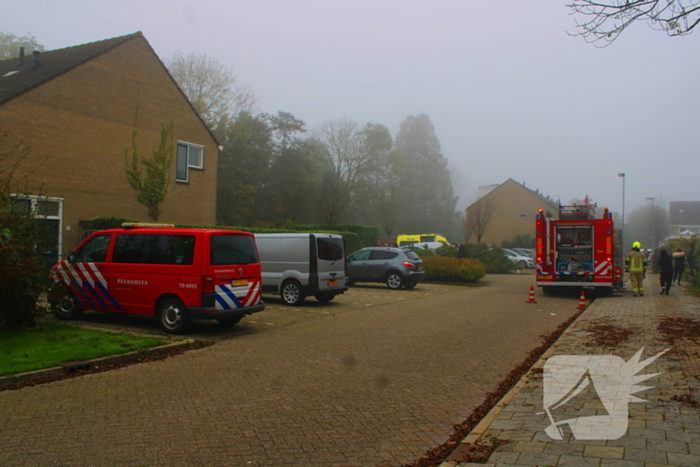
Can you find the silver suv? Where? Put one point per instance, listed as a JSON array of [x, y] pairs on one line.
[[397, 267]]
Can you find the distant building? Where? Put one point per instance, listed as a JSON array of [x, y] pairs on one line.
[[76, 108], [513, 207], [684, 217]]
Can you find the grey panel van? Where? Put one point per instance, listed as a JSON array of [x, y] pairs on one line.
[[296, 266]]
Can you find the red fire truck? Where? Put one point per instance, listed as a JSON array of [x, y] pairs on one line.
[[577, 250]]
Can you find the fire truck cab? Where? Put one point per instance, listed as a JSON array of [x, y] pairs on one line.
[[577, 250]]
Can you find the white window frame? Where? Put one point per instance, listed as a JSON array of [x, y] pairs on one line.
[[34, 200], [189, 165]]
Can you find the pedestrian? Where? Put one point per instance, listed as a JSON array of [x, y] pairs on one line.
[[678, 265], [461, 251], [666, 269], [636, 266]]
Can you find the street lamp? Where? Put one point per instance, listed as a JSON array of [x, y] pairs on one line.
[[622, 235], [653, 222]]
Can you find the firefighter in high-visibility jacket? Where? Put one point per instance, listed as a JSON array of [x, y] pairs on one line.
[[636, 265]]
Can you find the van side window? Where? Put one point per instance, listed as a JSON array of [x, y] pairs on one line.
[[330, 249], [95, 250], [154, 249], [233, 249]]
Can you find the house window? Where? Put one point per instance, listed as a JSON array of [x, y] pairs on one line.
[[523, 215], [50, 211], [189, 156]]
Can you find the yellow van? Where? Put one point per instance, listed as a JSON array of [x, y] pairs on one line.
[[408, 240]]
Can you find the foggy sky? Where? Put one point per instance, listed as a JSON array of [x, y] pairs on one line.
[[510, 94]]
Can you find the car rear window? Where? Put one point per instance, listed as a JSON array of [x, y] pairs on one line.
[[381, 254], [412, 256], [233, 249], [330, 249], [154, 249]]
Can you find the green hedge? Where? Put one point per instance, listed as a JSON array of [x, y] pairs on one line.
[[441, 269], [367, 234], [352, 239]]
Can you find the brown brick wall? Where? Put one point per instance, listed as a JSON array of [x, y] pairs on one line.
[[79, 125], [511, 199]]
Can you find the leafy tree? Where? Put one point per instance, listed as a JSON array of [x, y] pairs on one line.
[[604, 21], [22, 239], [432, 199], [286, 126], [10, 44], [150, 190], [374, 189], [244, 169], [292, 185], [211, 87]]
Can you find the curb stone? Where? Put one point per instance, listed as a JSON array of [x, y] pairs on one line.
[[71, 367]]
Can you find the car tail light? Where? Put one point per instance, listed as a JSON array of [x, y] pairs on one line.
[[207, 284], [409, 264]]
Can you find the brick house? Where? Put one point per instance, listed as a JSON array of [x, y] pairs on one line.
[[512, 208], [76, 109], [684, 217]]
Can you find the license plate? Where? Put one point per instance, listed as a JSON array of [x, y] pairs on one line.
[[239, 282], [547, 277], [332, 283]]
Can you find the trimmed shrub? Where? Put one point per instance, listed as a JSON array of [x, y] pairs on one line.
[[366, 234], [493, 258], [104, 223], [442, 269]]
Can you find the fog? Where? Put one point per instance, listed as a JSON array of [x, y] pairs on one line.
[[510, 93]]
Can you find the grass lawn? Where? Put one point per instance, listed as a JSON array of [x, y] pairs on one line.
[[52, 344]]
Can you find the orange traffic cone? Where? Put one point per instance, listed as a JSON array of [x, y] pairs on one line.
[[532, 295], [582, 301]]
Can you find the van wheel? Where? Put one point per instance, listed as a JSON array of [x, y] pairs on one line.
[[292, 293], [173, 316], [63, 304], [394, 280], [324, 297], [229, 320]]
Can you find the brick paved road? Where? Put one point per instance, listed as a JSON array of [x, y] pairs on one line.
[[375, 385], [664, 431]]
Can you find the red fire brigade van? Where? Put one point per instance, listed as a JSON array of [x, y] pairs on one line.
[[174, 274], [577, 250]]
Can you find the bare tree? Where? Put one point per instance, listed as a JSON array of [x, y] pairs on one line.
[[211, 87], [341, 149], [604, 21], [478, 217]]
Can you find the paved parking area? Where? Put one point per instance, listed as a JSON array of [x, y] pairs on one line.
[[376, 381]]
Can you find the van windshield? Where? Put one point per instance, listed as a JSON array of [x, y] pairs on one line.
[[233, 249], [330, 249]]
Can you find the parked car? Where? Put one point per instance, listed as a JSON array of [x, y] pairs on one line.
[[397, 267], [174, 274], [520, 260], [525, 252], [298, 265]]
